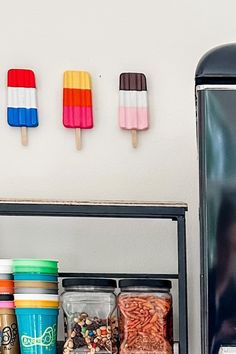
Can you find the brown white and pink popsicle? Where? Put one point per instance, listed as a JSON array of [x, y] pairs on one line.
[[133, 107]]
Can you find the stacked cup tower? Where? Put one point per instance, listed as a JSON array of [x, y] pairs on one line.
[[9, 342], [37, 304]]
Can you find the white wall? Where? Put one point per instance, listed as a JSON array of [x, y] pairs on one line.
[[165, 40]]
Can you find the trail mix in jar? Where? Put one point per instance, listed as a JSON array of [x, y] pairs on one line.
[[146, 321], [92, 334], [90, 314]]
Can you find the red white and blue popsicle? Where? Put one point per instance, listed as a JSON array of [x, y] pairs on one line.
[[22, 104]]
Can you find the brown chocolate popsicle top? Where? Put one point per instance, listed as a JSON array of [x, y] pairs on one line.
[[133, 82]]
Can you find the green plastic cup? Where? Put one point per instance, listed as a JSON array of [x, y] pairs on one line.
[[39, 266]]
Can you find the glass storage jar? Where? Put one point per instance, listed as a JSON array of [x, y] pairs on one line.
[[90, 315], [146, 317]]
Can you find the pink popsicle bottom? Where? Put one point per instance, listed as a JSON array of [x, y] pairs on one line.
[[78, 117], [133, 118]]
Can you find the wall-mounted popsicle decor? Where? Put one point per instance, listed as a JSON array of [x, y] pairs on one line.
[[21, 101], [77, 103], [133, 107]]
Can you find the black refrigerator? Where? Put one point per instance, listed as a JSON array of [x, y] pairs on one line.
[[216, 129]]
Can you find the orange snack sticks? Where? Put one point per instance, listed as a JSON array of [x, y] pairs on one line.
[[145, 322]]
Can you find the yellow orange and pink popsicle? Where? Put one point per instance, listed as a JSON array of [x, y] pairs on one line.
[[133, 105], [77, 102]]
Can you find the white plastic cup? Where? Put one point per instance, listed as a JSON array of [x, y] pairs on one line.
[[6, 266], [46, 297]]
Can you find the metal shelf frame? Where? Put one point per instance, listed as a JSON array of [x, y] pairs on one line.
[[118, 209]]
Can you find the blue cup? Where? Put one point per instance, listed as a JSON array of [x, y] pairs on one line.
[[37, 329], [32, 276]]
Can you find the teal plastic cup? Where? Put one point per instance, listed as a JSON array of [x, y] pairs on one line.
[[35, 277], [37, 329]]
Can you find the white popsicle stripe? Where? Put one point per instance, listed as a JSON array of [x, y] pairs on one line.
[[21, 97], [133, 98]]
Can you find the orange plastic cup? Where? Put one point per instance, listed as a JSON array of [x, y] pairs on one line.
[[36, 284], [36, 304], [6, 287]]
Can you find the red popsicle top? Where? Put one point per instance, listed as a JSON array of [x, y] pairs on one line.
[[21, 78]]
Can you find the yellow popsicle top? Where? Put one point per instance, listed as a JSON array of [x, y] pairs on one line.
[[77, 80]]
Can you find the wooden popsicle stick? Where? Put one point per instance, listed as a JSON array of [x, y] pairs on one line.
[[24, 136], [78, 138], [134, 135]]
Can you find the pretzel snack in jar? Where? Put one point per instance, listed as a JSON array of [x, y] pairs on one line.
[[145, 316]]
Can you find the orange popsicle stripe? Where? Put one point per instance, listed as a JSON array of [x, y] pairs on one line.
[[77, 97]]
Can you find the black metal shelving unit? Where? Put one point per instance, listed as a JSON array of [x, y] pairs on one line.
[[118, 209]]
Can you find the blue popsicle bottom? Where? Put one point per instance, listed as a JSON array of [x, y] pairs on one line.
[[22, 117], [37, 329]]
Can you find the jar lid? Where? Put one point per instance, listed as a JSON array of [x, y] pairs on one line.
[[150, 283], [69, 282]]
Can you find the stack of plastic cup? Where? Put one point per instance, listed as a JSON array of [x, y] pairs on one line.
[[37, 303], [8, 328], [6, 284]]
